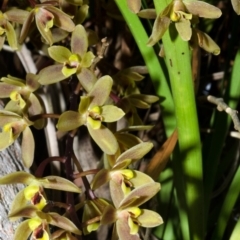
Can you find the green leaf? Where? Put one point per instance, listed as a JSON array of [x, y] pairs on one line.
[[23, 231], [28, 147], [202, 9], [149, 219], [111, 113], [79, 41], [134, 6], [59, 54], [104, 138], [75, 2], [101, 91], [70, 120], [64, 223], [58, 183], [135, 153], [140, 195], [51, 74]]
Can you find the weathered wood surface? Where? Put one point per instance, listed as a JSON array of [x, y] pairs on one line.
[[10, 161]]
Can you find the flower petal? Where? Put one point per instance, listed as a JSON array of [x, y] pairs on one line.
[[51, 74], [28, 147], [134, 6], [184, 29], [11, 36], [79, 40], [61, 19], [149, 219], [23, 231], [104, 138], [101, 91], [140, 195], [147, 13], [87, 79], [236, 6], [160, 26], [64, 223], [135, 153], [123, 230], [59, 54], [111, 113], [202, 9], [207, 43], [70, 120]]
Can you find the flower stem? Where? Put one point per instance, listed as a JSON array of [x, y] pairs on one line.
[[178, 61]]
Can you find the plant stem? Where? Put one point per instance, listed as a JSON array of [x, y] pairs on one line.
[[179, 66], [154, 65], [43, 115]]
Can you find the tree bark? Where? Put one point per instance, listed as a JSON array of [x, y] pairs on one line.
[[10, 161]]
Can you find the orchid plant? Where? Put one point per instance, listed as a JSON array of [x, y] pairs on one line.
[[106, 102]]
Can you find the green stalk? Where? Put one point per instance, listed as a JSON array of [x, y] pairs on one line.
[[179, 66], [152, 62]]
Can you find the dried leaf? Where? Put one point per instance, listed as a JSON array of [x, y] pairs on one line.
[[160, 159]]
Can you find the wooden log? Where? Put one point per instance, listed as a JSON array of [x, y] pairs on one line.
[[10, 161]]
